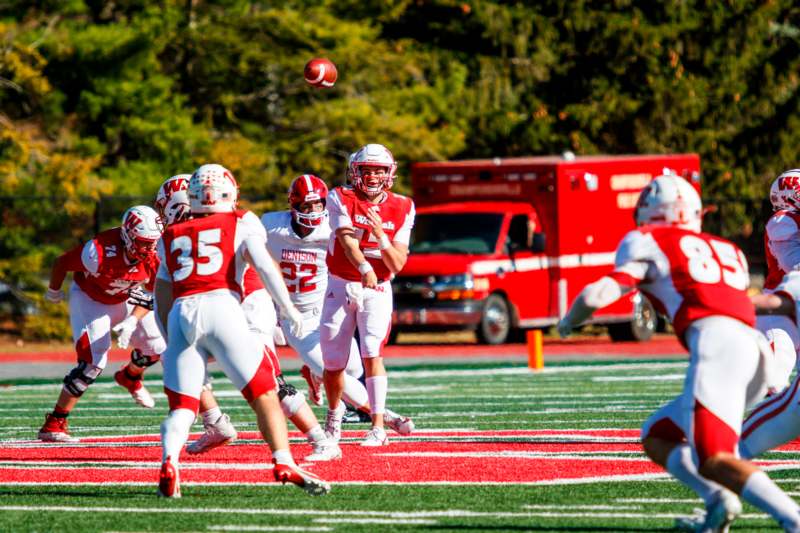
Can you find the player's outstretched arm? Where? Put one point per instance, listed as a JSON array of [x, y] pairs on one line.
[[67, 262], [256, 254], [594, 296], [773, 304]]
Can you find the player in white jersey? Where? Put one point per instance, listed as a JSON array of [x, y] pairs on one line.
[[782, 251], [700, 281], [777, 419], [198, 295], [298, 240]]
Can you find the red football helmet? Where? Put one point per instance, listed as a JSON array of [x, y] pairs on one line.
[[307, 188]]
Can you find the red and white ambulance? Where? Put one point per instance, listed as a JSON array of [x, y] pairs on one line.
[[504, 245]]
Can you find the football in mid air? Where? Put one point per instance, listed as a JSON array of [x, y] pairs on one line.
[[320, 72]]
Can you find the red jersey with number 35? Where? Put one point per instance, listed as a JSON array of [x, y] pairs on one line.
[[103, 272], [686, 275], [206, 253], [348, 209]]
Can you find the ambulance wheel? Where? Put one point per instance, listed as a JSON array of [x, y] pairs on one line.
[[641, 328], [495, 324]]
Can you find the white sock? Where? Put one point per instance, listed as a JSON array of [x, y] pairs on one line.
[[211, 416], [354, 392], [283, 457], [316, 434], [760, 491], [682, 467], [377, 387], [174, 433]]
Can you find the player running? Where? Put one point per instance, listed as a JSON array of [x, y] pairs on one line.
[[105, 269], [198, 295], [371, 227], [700, 281]]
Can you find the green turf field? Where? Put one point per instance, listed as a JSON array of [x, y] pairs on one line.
[[452, 404]]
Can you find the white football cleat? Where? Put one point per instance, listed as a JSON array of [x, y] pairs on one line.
[[324, 450], [333, 423], [403, 425], [375, 437], [217, 434], [716, 519]]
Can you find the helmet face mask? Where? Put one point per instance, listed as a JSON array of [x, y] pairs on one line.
[[307, 189], [669, 201], [141, 229], [784, 193], [212, 189], [172, 200], [369, 157]]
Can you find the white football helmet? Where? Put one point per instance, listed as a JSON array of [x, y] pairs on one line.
[[141, 229], [372, 155], [348, 176], [172, 200], [671, 201], [785, 191], [212, 189]]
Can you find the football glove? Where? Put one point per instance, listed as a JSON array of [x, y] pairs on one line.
[[124, 330], [140, 297], [54, 295]]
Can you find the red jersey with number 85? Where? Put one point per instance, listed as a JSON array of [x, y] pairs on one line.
[[686, 275], [206, 253], [348, 209]]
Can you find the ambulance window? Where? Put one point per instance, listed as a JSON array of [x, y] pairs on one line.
[[518, 237], [456, 233]]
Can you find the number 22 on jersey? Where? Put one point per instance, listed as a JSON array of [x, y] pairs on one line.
[[713, 261], [302, 273], [207, 248]]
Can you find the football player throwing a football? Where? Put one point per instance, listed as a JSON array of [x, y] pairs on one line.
[[371, 227]]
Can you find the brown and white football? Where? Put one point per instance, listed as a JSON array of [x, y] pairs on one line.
[[320, 72]]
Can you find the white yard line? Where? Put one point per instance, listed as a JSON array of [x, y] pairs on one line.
[[452, 513], [383, 521], [585, 507], [665, 377], [659, 500], [241, 527], [589, 456]]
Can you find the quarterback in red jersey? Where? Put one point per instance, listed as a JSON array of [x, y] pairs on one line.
[[106, 269], [371, 228], [198, 298], [700, 282]]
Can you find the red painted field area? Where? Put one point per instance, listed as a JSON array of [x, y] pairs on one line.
[[459, 457]]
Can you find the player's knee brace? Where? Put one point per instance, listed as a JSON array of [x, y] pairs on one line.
[[80, 377], [291, 399], [143, 361]]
